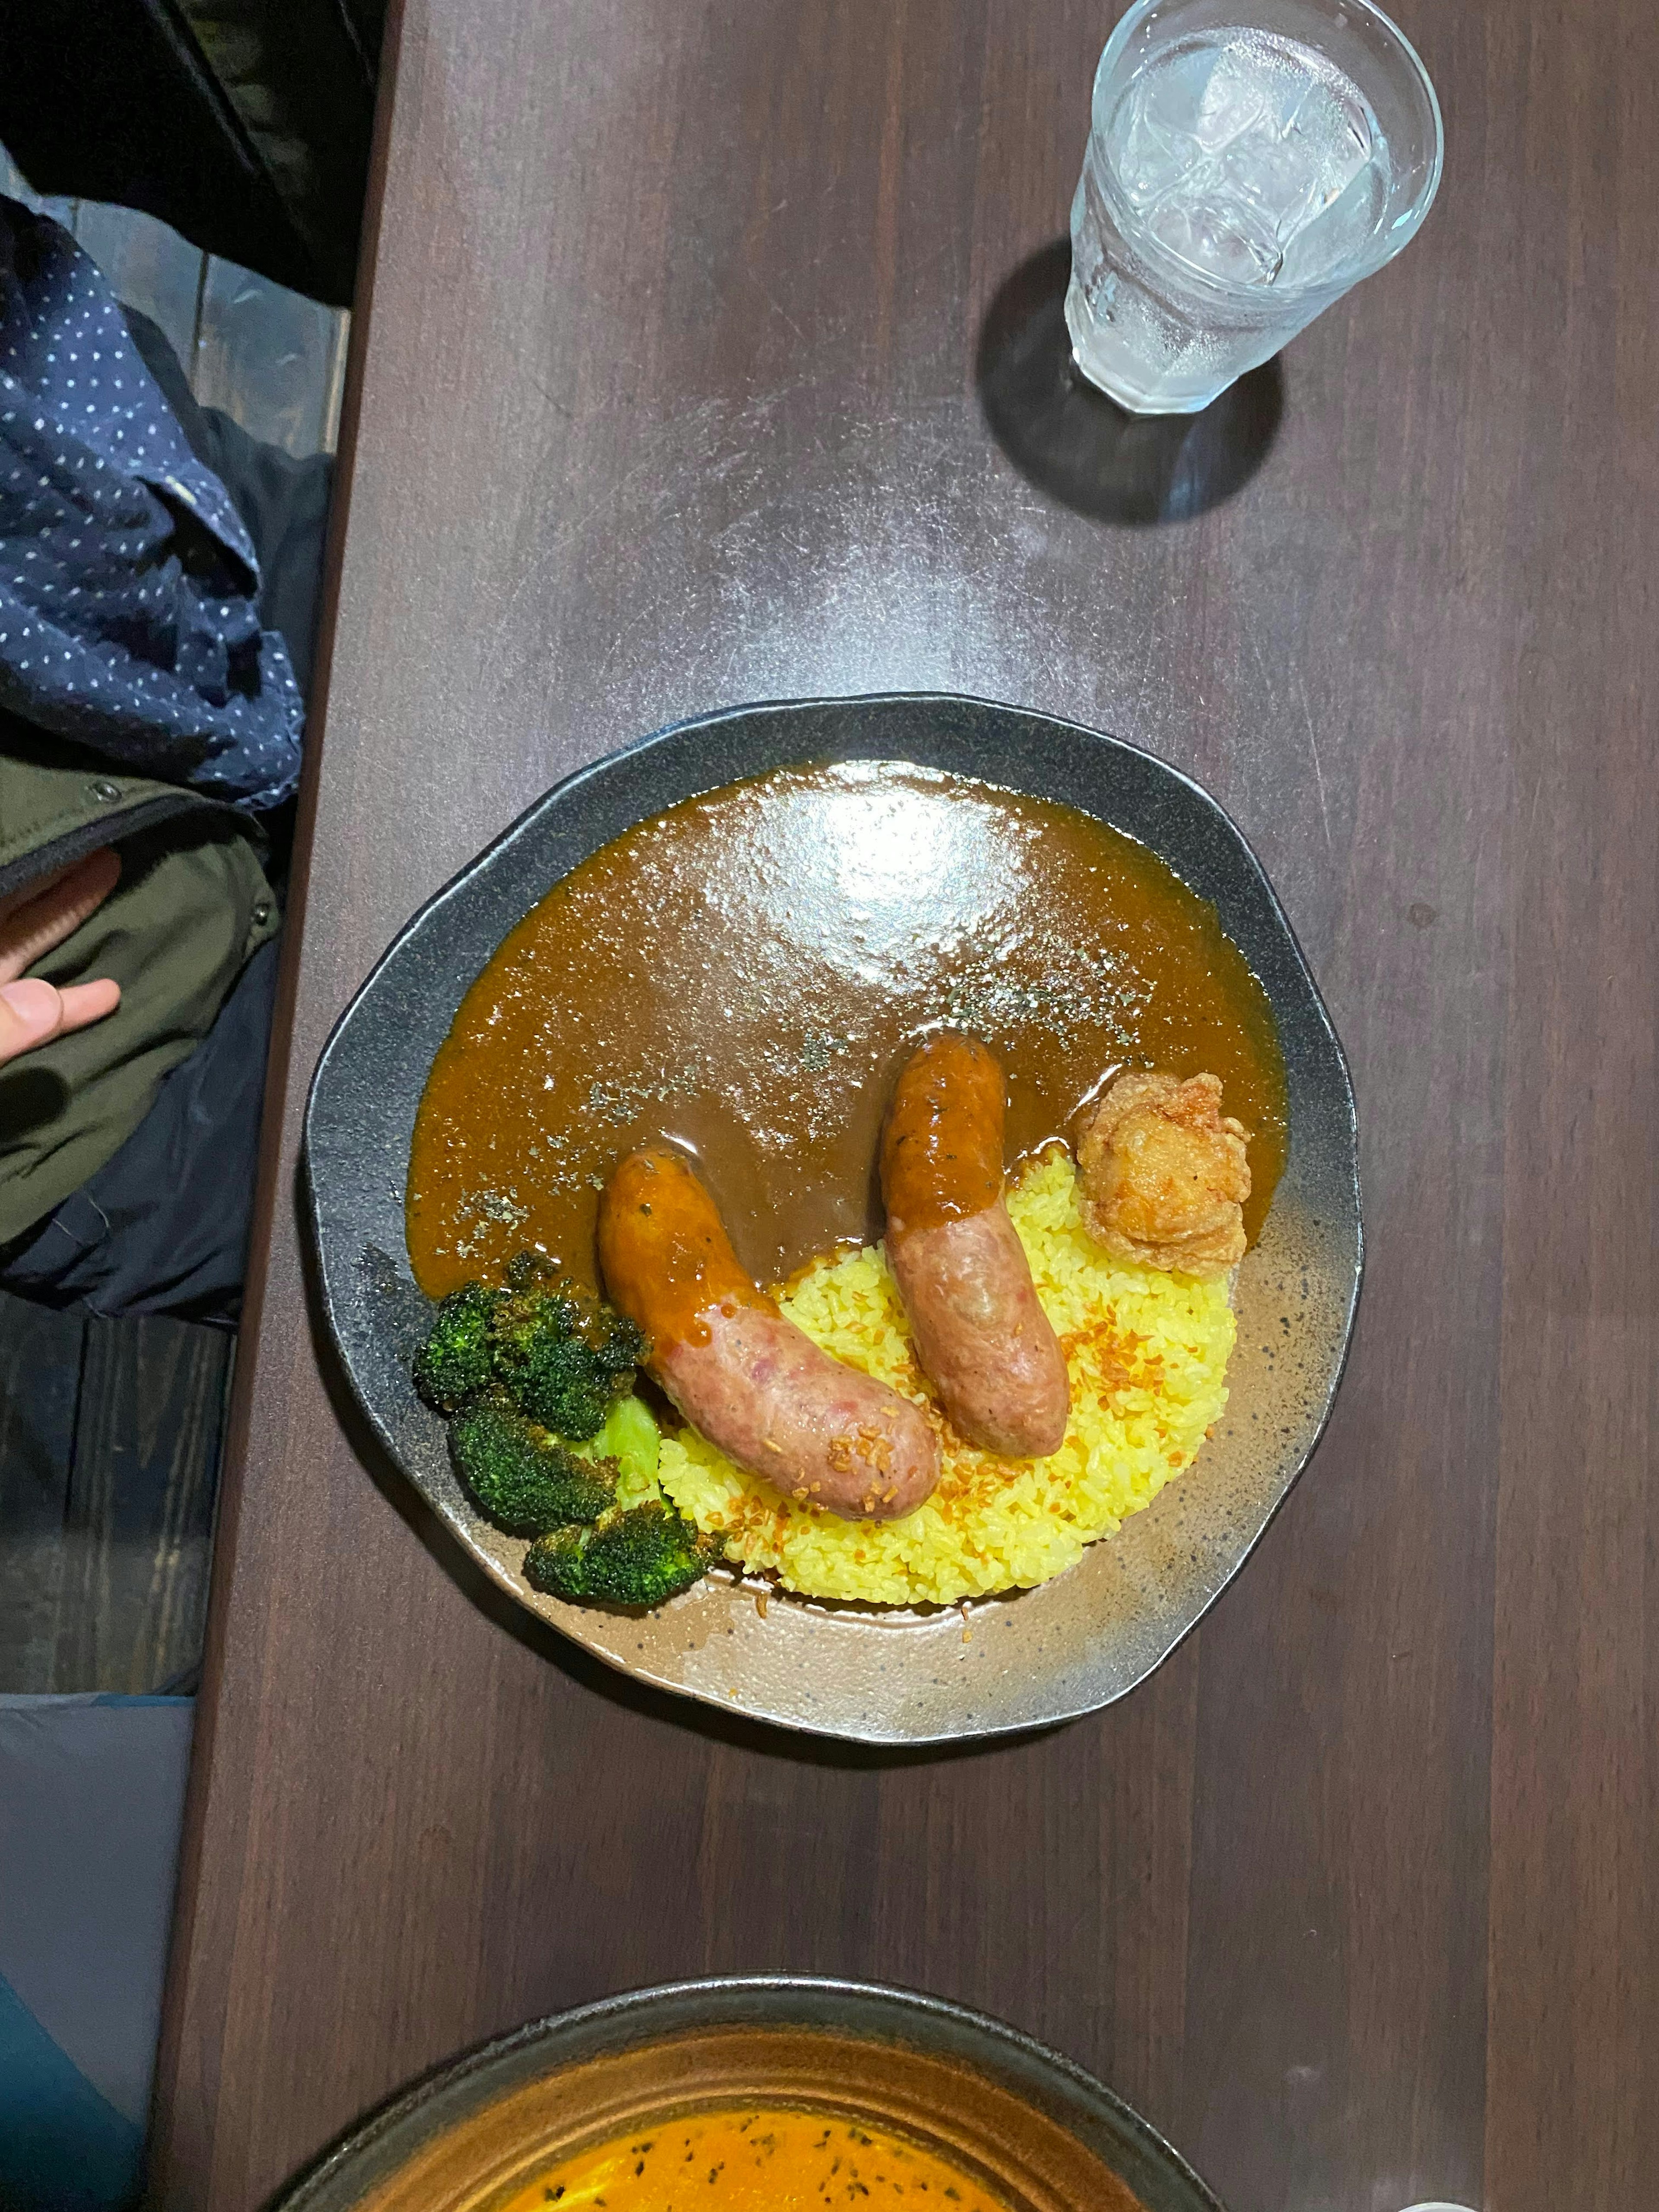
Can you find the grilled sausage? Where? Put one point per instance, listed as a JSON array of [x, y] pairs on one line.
[[743, 1374], [960, 1267]]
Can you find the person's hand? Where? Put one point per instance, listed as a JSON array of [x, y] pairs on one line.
[[33, 921]]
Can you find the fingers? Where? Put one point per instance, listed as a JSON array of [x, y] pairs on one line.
[[40, 917], [33, 1012], [30, 1012], [85, 1003], [34, 920]]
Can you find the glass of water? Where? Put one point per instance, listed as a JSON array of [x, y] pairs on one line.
[[1248, 161]]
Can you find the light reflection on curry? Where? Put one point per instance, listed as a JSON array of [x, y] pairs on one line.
[[750, 2159], [744, 973]]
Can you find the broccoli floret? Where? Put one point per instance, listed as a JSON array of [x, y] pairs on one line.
[[457, 1359], [631, 1437], [524, 1478], [562, 1359], [633, 1555]]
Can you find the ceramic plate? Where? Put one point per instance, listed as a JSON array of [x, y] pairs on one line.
[[879, 1677], [1043, 2135]]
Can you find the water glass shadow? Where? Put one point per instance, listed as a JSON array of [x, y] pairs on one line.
[[1079, 446]]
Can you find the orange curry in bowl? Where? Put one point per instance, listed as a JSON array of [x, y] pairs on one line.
[[756, 2159]]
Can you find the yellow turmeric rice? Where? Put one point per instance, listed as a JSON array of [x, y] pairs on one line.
[[1147, 1354]]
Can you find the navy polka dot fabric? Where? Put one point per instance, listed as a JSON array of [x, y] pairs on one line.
[[128, 618]]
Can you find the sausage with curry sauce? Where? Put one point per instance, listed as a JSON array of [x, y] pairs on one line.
[[957, 1260], [741, 1373]]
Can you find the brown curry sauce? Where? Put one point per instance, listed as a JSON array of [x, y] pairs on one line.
[[745, 974]]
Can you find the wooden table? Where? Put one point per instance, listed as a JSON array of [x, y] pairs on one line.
[[665, 396]]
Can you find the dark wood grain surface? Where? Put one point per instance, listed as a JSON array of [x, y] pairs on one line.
[[667, 397]]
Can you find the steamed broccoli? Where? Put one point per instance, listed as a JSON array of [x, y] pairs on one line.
[[524, 1478], [633, 1555], [562, 1359], [457, 1359]]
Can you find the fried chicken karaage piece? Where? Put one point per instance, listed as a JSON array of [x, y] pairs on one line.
[[1164, 1174]]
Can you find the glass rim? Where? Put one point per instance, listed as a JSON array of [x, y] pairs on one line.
[[1394, 237]]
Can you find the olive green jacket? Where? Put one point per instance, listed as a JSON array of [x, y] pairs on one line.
[[192, 905]]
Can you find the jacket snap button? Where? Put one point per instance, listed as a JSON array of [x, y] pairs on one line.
[[103, 791], [262, 913]]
